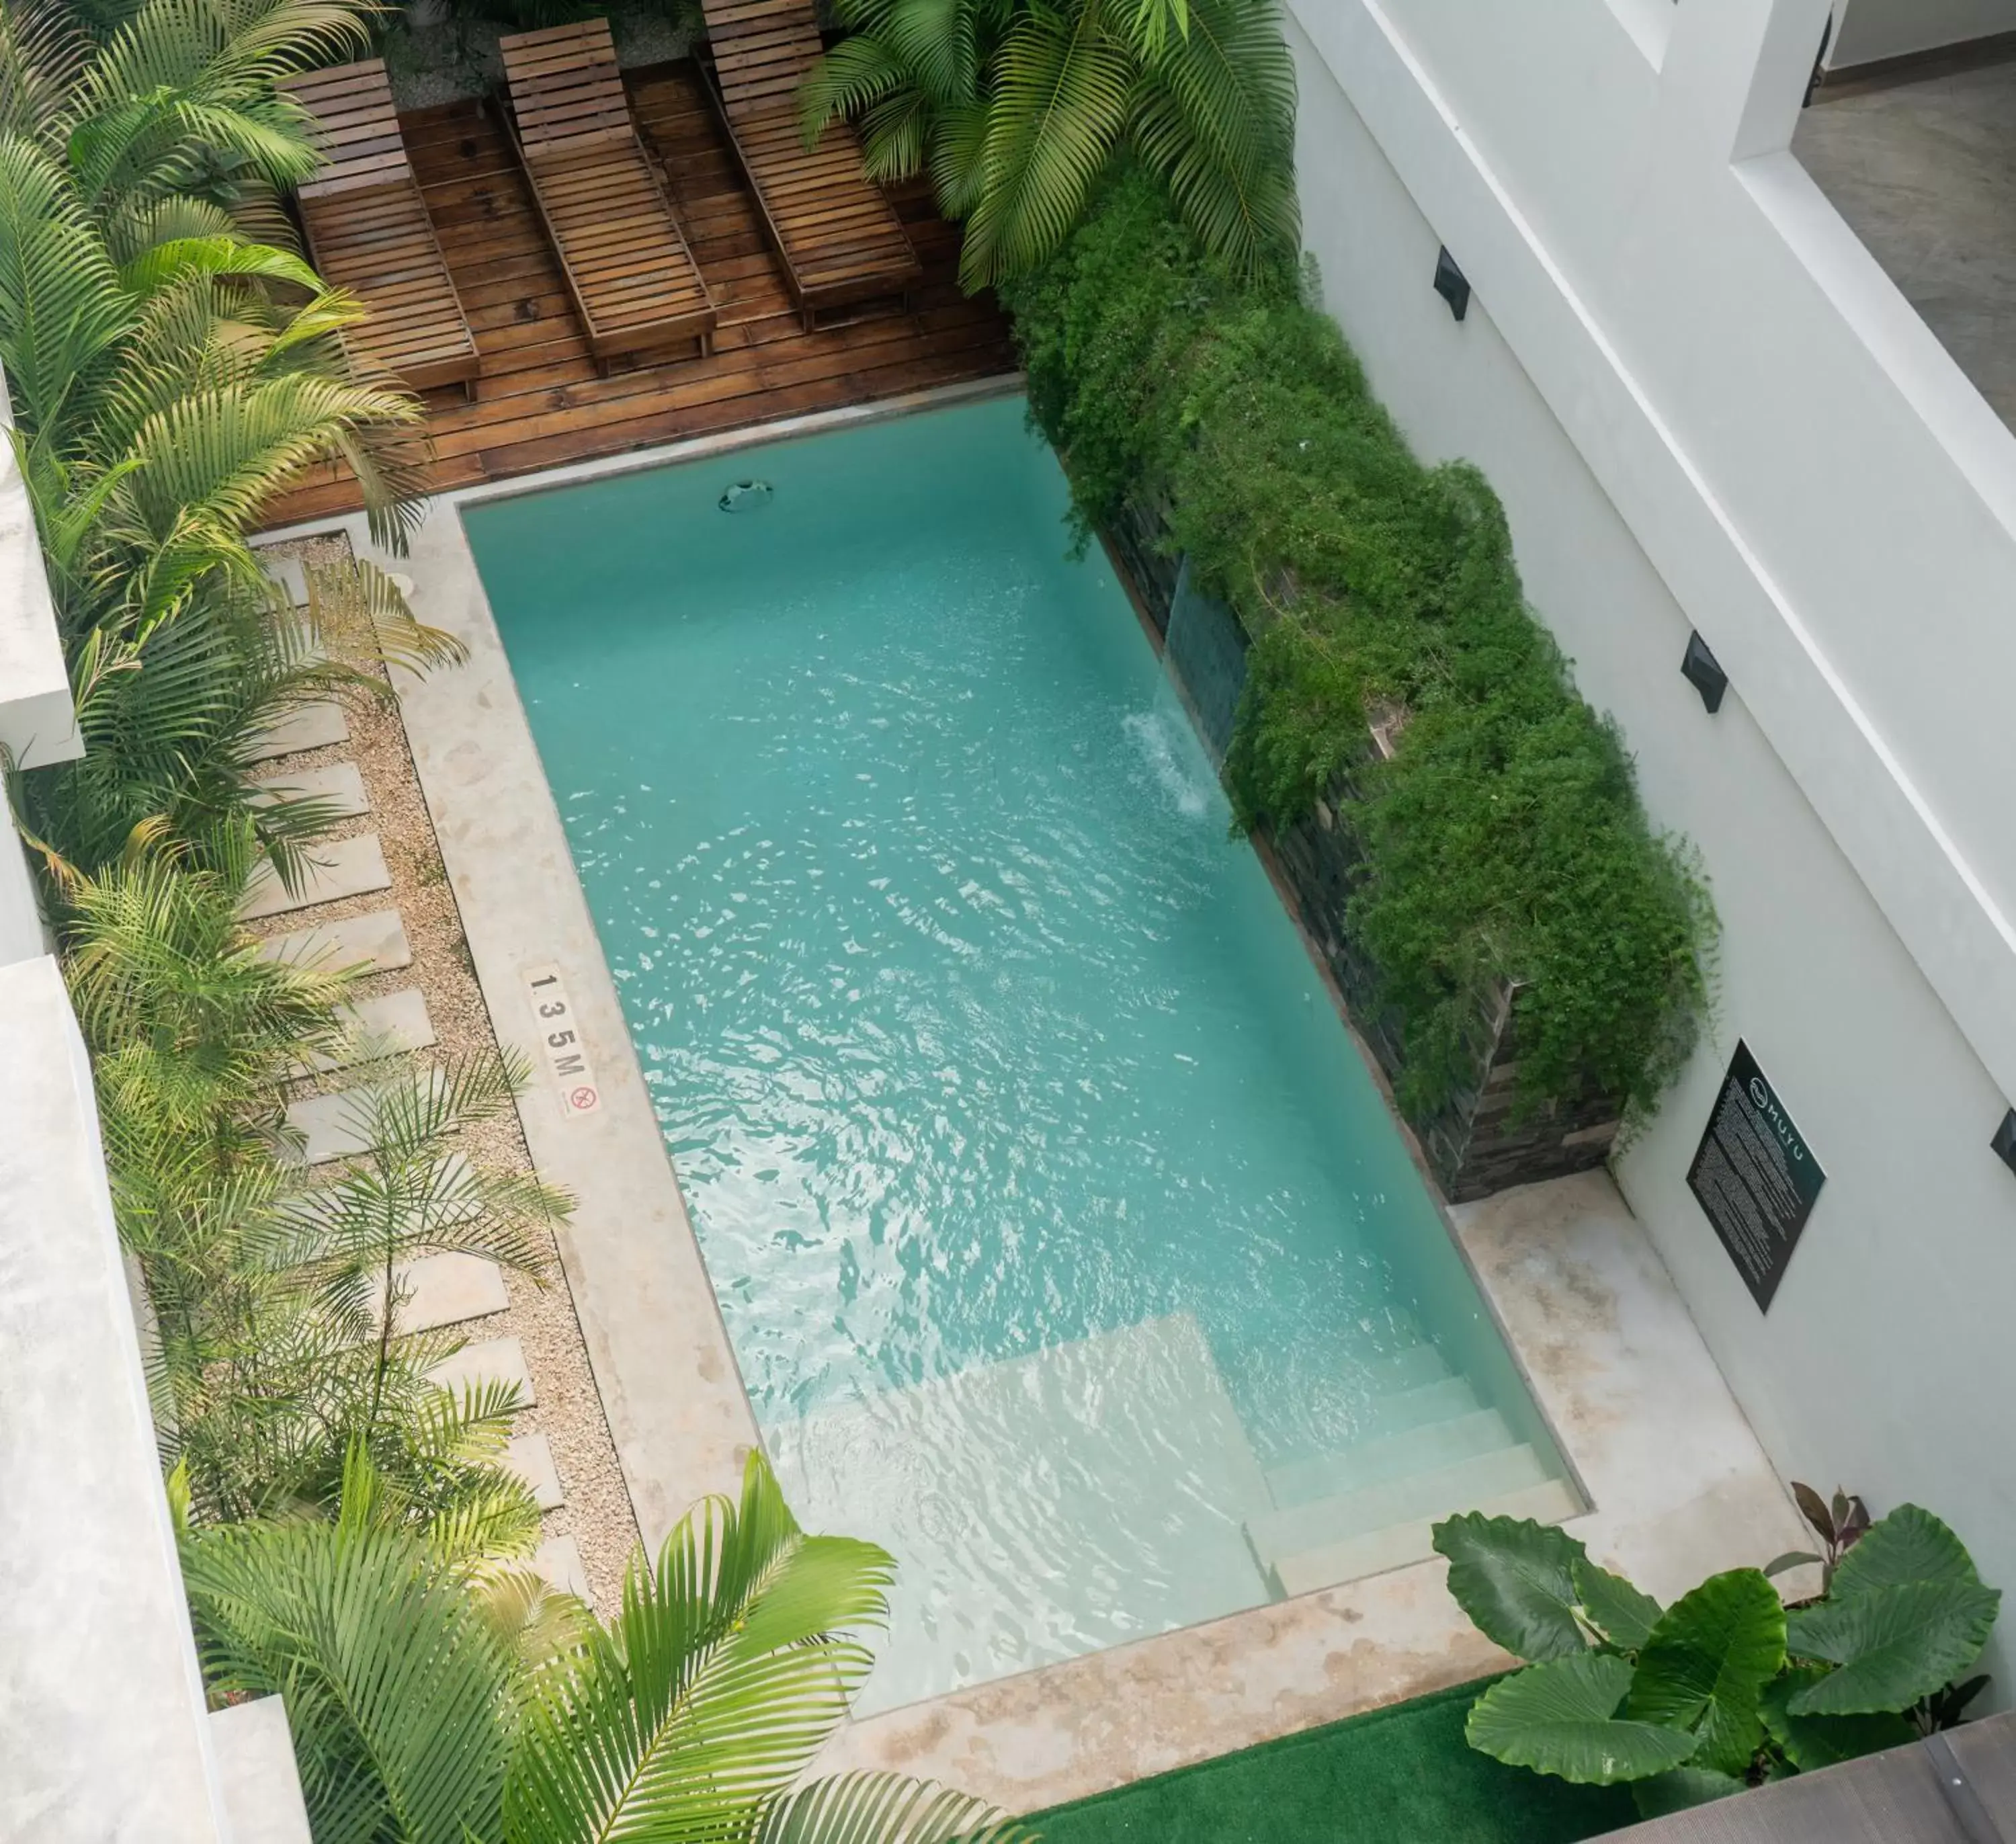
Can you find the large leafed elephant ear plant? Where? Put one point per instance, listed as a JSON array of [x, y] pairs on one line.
[[1727, 1686], [1015, 107]]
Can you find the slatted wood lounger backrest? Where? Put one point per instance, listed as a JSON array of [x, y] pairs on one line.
[[355, 128], [761, 48], [567, 89]]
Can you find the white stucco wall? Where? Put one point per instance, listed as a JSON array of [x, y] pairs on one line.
[[1688, 432], [21, 936], [1866, 30], [102, 1731], [38, 723]]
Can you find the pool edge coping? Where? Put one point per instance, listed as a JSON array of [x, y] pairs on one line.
[[673, 1394]]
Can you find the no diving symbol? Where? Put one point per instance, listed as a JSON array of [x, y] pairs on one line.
[[581, 1099]]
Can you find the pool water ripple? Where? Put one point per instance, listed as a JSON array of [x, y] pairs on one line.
[[1046, 1199]]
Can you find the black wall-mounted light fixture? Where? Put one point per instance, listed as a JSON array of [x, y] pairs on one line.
[[2004, 1142], [1701, 671], [1450, 284]]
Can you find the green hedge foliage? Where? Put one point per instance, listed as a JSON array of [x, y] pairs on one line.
[[1505, 838]]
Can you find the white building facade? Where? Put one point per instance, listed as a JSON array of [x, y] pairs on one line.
[[1709, 410], [104, 1733]]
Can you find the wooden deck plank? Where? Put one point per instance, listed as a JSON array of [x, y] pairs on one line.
[[541, 401]]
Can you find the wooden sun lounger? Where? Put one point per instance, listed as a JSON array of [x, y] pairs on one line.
[[633, 282], [836, 235], [368, 231]]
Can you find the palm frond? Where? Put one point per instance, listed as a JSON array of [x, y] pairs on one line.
[[135, 228], [499, 1517], [941, 45], [539, 1622], [1215, 117], [42, 54], [356, 610], [227, 451], [1063, 87], [854, 73], [958, 157], [158, 961], [182, 79], [407, 1194], [895, 136], [61, 307], [1016, 106], [397, 1690], [164, 258], [884, 1809], [728, 1666], [1150, 23]]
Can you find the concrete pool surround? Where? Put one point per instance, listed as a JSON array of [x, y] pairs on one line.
[[1678, 1485]]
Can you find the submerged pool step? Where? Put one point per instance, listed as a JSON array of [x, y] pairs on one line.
[[1425, 1448], [1398, 1546], [1447, 1399], [1325, 1523], [1415, 1367]]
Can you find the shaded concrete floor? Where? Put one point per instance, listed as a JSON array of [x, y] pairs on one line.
[[1925, 175]]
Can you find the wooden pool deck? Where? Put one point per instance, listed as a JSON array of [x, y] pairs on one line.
[[540, 402]]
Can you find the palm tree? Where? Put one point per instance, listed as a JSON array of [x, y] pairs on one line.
[[1014, 107], [172, 724], [422, 1711], [349, 1242], [277, 1298], [171, 373], [165, 112], [274, 1291]]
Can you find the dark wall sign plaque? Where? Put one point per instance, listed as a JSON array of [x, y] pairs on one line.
[[1756, 1176]]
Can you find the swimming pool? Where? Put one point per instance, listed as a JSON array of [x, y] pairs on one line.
[[1064, 1242]]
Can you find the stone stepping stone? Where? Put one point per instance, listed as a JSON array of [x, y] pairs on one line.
[[349, 867], [384, 1024], [329, 1127], [558, 1562], [310, 726], [289, 573], [494, 1360], [447, 1288], [339, 783], [532, 1459], [376, 942]]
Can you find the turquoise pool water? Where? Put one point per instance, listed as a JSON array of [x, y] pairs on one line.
[[1061, 1235]]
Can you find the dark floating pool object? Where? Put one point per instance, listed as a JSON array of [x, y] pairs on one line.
[[746, 496]]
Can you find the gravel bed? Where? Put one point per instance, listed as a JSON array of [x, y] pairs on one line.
[[541, 1314]]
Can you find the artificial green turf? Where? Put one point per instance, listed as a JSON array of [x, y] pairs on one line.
[[1398, 1776]]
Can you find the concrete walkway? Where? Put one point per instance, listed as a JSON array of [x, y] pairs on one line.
[[1925, 175]]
